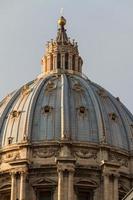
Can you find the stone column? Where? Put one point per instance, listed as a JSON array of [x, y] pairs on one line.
[[116, 192], [54, 62], [22, 185], [76, 63], [70, 185], [63, 61], [70, 62], [48, 63], [60, 185], [13, 186], [106, 187]]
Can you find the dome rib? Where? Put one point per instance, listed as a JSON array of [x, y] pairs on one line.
[[31, 109], [90, 103], [124, 121], [97, 108], [65, 124]]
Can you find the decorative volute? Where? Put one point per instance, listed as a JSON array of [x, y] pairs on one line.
[[61, 54]]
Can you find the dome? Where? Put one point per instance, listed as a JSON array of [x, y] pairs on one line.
[[62, 103], [62, 136], [65, 106]]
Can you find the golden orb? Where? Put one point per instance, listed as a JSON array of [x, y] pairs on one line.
[[62, 21]]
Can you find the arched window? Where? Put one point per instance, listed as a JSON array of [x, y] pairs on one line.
[[66, 60], [58, 61], [73, 62]]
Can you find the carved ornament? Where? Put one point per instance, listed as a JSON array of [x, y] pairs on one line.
[[86, 153], [117, 158], [45, 152], [102, 93], [15, 114], [77, 87], [11, 157], [50, 86], [25, 90], [66, 167]]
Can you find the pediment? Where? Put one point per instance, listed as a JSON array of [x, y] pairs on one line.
[[123, 188], [5, 186], [86, 183], [44, 182]]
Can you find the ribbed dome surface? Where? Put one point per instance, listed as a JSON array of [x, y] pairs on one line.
[[65, 106]]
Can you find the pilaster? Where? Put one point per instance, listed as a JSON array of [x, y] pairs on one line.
[[65, 166], [22, 185], [110, 174], [13, 186]]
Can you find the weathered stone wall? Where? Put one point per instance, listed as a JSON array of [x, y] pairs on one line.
[[64, 168]]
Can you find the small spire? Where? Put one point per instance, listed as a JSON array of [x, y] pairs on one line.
[[61, 34]]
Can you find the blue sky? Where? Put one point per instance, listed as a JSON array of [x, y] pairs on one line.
[[103, 30]]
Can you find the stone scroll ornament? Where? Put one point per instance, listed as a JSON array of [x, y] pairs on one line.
[[118, 158], [45, 153], [85, 154], [11, 157]]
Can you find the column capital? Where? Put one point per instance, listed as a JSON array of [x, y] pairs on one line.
[[65, 167], [13, 173], [23, 170], [106, 174], [115, 174]]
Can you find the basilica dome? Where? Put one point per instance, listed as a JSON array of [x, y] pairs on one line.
[[62, 136], [65, 106], [62, 103]]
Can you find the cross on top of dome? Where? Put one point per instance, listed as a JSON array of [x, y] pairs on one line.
[[61, 54]]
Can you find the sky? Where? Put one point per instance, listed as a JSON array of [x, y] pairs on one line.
[[102, 28]]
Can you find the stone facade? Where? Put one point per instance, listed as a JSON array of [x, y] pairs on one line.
[[66, 170]]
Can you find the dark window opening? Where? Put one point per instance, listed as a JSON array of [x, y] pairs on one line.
[[47, 195], [51, 67], [58, 61], [4, 196], [73, 62], [84, 196], [66, 61], [113, 116], [79, 64], [82, 109], [10, 139], [46, 109]]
